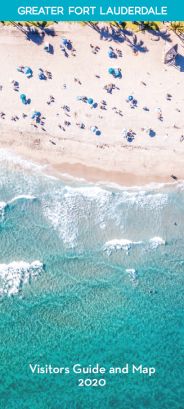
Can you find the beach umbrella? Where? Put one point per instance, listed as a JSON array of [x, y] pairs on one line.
[[98, 132], [111, 54], [151, 133], [64, 41], [22, 96], [36, 114], [90, 101], [41, 75], [95, 105], [130, 98], [28, 71], [111, 70], [117, 72]]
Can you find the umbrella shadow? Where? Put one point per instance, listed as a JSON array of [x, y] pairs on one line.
[[36, 36]]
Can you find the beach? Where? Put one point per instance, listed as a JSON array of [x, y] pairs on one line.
[[155, 151]]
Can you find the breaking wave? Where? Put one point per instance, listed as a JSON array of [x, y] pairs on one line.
[[71, 206], [124, 244], [4, 206], [15, 275]]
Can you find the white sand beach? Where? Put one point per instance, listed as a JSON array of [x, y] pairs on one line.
[[63, 138]]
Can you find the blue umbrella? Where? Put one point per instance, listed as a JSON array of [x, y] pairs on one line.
[[64, 41], [95, 105], [41, 75], [28, 71], [23, 98], [98, 132], [117, 72], [130, 98], [111, 54], [36, 114], [111, 70], [90, 101]]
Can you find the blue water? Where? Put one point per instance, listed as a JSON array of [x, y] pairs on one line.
[[92, 301]]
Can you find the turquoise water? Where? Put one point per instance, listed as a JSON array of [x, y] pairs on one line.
[[108, 290]]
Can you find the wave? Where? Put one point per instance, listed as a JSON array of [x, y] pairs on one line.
[[15, 275], [124, 244], [2, 210], [13, 202], [120, 244], [20, 198], [155, 242], [90, 192], [133, 276], [71, 204], [149, 187]]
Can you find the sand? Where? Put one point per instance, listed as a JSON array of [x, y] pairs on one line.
[[79, 152]]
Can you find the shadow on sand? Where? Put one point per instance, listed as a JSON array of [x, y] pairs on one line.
[[34, 33], [119, 35], [37, 35]]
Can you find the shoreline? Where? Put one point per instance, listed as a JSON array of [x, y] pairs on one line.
[[58, 162]]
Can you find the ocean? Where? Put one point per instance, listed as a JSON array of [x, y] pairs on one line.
[[89, 274]]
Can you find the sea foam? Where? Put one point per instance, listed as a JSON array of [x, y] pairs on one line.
[[120, 244], [156, 242], [125, 244], [133, 276], [15, 275]]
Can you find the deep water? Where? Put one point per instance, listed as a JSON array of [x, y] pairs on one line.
[[110, 290]]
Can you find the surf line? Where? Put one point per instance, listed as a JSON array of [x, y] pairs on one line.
[[131, 10]]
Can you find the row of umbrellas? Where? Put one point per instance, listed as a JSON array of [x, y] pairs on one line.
[[89, 101]]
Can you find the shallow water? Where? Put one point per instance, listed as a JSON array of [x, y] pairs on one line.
[[109, 289]]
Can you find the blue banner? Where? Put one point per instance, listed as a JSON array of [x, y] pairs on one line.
[[92, 10]]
